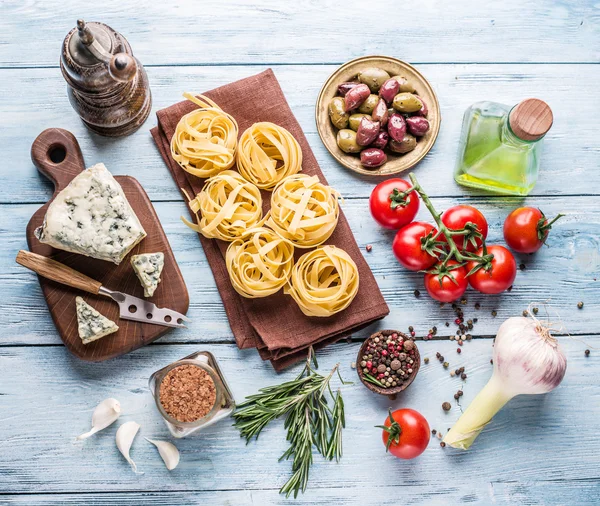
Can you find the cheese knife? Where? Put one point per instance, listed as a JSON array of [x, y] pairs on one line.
[[130, 307]]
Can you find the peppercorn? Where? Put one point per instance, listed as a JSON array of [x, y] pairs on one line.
[[463, 301], [447, 324], [417, 293], [452, 374], [463, 376], [491, 361], [494, 313], [458, 350], [509, 289], [460, 393], [580, 305], [535, 310], [442, 444], [469, 337], [456, 396], [445, 364], [477, 305], [522, 267], [426, 360], [474, 320], [587, 353], [446, 406], [434, 432], [369, 248], [441, 358], [526, 313], [460, 342], [457, 372]]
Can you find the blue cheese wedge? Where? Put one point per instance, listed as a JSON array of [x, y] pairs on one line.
[[148, 268], [92, 217], [92, 325]]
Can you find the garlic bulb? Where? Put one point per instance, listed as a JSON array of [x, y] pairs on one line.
[[168, 452], [124, 440], [104, 415], [527, 360]]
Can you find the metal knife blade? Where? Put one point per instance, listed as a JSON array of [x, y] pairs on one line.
[[139, 310]]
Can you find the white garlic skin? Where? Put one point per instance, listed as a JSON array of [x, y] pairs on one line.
[[527, 359]]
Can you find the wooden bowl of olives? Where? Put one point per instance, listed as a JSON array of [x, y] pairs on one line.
[[378, 115], [388, 362]]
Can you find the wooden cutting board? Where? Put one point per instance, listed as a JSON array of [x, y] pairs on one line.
[[57, 155]]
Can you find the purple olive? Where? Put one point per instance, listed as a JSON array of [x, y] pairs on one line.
[[372, 158], [381, 140], [424, 110], [389, 90], [397, 127], [367, 131], [380, 113], [346, 87], [356, 96], [417, 125]]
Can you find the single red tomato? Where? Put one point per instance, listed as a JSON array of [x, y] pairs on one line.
[[457, 217], [526, 229], [407, 246], [405, 433], [446, 283], [387, 206], [500, 275]]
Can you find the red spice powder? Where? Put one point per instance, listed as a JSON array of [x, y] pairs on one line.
[[187, 393]]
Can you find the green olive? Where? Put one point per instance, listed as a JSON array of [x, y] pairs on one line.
[[337, 113], [346, 140], [373, 77], [406, 86], [407, 102], [354, 120], [407, 144], [369, 104]]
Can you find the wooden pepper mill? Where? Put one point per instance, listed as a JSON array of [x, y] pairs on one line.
[[108, 86]]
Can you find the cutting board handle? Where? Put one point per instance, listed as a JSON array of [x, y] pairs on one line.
[[57, 155]]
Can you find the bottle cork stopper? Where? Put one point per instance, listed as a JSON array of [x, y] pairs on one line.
[[531, 119]]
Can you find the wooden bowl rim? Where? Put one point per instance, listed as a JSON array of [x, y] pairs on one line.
[[405, 384], [393, 165]]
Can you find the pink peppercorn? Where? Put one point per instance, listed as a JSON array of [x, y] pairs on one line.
[[458, 350], [429, 336], [380, 376], [394, 335], [369, 364], [384, 353], [413, 333], [458, 321]]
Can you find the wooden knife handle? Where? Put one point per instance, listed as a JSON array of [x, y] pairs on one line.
[[58, 272]]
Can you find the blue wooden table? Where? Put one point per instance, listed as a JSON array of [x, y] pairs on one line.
[[538, 450]]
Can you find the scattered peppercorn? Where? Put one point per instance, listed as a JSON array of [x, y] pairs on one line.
[[460, 393], [475, 320], [526, 313], [587, 353], [445, 364], [580, 305], [442, 444], [477, 305], [452, 374], [446, 406], [456, 396], [491, 360], [434, 432], [426, 360], [369, 247], [463, 376], [463, 301], [458, 350], [469, 337], [522, 267], [494, 313], [509, 289], [417, 293], [447, 324], [535, 310], [460, 342]]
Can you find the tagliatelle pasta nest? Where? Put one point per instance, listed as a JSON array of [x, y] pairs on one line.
[[205, 140], [324, 281], [259, 263], [304, 211], [267, 153], [228, 206]]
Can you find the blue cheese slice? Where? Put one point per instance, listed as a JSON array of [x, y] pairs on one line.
[[148, 268], [92, 325], [92, 217]]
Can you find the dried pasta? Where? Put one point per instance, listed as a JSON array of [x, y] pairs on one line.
[[259, 263], [267, 153], [324, 281], [303, 210], [228, 206], [205, 140]]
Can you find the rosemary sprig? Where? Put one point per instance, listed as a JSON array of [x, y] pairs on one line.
[[309, 420]]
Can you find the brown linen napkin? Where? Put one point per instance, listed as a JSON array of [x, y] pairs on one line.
[[275, 325]]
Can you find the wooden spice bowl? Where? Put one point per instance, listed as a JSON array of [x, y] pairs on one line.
[[393, 391], [396, 162]]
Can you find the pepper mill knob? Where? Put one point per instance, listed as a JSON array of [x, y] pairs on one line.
[[122, 67]]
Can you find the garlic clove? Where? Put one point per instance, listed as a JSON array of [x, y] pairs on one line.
[[168, 452], [124, 439], [104, 415]]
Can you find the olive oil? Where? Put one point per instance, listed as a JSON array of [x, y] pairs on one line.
[[500, 146]]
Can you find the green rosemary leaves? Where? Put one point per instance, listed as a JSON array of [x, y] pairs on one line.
[[309, 420]]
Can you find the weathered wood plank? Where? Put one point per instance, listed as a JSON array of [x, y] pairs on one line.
[[460, 491], [564, 273], [32, 100], [184, 31], [48, 396]]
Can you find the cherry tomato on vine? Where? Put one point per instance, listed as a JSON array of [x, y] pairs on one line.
[[405, 433], [407, 246], [499, 277], [457, 217], [526, 229], [446, 283], [387, 206]]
